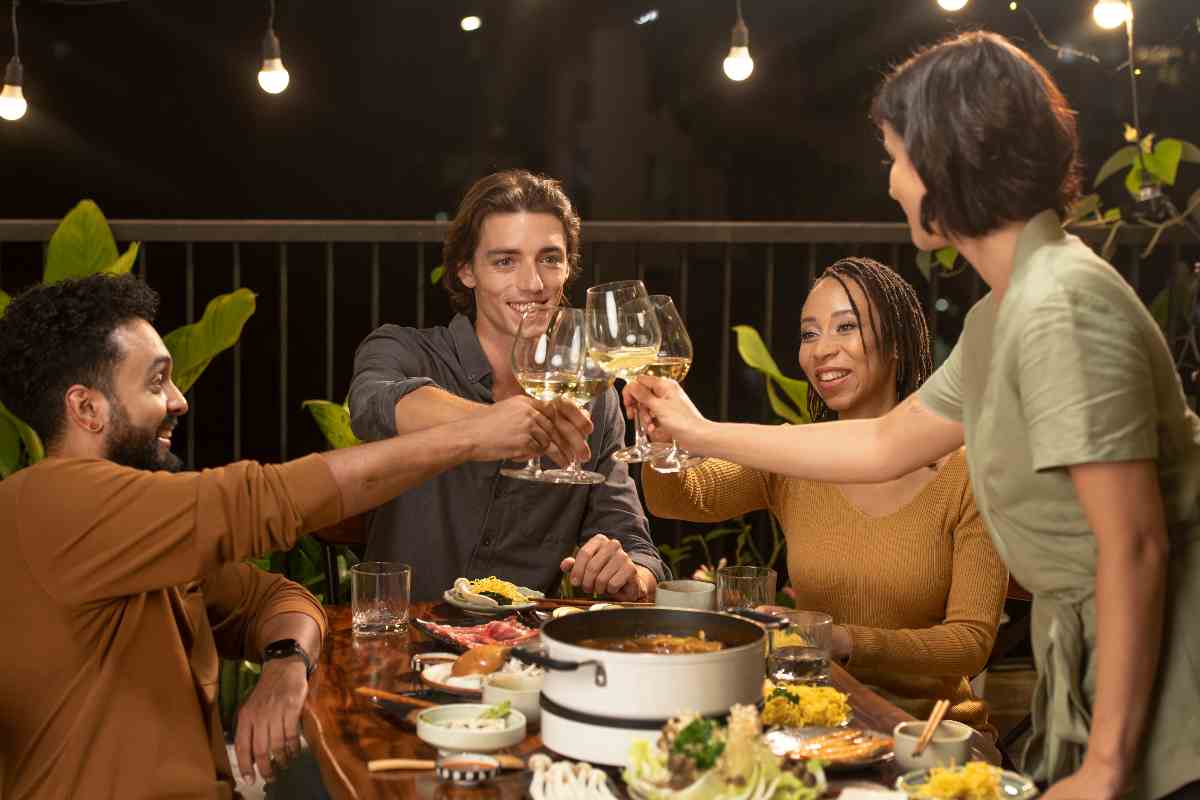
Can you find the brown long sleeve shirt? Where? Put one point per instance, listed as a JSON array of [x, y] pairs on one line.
[[119, 588]]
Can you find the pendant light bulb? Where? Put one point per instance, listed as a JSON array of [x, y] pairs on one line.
[[952, 5], [1110, 14], [273, 77], [738, 64], [12, 98]]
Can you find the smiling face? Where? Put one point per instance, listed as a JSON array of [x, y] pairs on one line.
[[840, 355], [521, 261], [145, 403], [906, 188]]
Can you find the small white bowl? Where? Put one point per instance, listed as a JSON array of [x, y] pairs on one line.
[[467, 768], [523, 691], [700, 595], [464, 740], [949, 747]]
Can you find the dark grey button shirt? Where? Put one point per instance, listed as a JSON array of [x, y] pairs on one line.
[[471, 521]]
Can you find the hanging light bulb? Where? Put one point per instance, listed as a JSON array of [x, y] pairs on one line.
[[1110, 14], [273, 76], [952, 5], [12, 98], [739, 64], [471, 23]]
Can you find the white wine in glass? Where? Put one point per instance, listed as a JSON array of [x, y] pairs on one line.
[[623, 338], [585, 386], [673, 361]]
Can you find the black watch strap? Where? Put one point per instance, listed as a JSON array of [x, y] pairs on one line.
[[286, 648]]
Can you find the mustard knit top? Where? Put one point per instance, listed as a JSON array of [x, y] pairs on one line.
[[920, 590]]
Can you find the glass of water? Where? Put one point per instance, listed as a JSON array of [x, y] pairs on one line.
[[379, 593], [745, 587], [801, 652]]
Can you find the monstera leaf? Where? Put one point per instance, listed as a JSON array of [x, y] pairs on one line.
[[194, 346], [334, 421], [755, 354]]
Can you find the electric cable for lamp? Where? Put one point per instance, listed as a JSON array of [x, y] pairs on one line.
[[12, 97], [273, 77]]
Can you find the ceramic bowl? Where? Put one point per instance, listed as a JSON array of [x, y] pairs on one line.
[[1013, 786], [700, 595], [463, 740], [950, 745], [467, 768], [523, 691]]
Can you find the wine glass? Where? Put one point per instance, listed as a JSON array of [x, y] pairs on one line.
[[548, 354], [623, 336], [590, 382], [673, 361]]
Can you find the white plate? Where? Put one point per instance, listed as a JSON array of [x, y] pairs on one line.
[[468, 740], [1013, 786], [453, 599]]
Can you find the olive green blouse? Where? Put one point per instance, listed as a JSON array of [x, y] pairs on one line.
[[1070, 368]]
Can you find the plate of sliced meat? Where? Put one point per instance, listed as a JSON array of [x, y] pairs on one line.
[[460, 637]]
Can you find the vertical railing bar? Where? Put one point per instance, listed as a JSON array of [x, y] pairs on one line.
[[812, 266], [684, 272], [283, 351], [638, 265], [894, 256], [141, 261], [769, 321], [374, 285], [726, 314], [590, 250], [1, 265], [237, 363], [420, 284], [189, 257], [329, 287]]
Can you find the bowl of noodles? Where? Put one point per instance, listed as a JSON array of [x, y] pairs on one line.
[[975, 780], [799, 706]]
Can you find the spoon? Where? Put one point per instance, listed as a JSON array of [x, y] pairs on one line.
[[481, 660]]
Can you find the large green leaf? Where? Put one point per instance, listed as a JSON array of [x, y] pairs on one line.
[[1116, 162], [946, 256], [4, 301], [334, 421], [1163, 162], [125, 263], [755, 354], [19, 444], [1082, 208], [194, 346], [1189, 152], [82, 245]]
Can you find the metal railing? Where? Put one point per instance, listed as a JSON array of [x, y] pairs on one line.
[[721, 274]]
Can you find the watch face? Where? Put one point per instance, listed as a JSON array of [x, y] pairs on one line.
[[283, 647]]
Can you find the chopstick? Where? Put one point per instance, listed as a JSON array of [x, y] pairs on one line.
[[371, 691], [382, 764], [939, 711], [584, 602]]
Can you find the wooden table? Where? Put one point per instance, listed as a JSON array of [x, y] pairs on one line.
[[345, 731]]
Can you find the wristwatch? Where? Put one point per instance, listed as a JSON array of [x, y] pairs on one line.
[[286, 648]]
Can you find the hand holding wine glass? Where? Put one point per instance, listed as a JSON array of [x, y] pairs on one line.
[[673, 361]]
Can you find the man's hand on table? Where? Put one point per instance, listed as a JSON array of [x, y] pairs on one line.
[[268, 728], [603, 567]]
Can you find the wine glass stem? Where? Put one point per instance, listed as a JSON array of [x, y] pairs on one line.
[[639, 432], [535, 464]]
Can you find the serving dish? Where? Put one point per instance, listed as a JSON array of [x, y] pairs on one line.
[[431, 729], [823, 743], [1013, 786]]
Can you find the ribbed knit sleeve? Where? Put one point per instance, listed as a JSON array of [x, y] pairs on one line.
[[961, 643], [714, 491]]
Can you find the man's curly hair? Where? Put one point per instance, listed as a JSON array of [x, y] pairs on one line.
[[58, 335]]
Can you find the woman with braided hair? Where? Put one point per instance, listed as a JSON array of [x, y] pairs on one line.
[[904, 567]]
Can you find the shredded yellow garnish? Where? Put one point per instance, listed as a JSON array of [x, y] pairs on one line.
[[815, 705], [503, 588], [975, 780]]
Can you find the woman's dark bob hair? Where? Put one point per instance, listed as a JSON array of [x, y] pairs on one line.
[[988, 131]]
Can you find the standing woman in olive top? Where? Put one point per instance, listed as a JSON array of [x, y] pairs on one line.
[[905, 567], [1083, 453]]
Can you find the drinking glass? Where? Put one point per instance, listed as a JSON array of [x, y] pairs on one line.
[[558, 366], [379, 594], [801, 651], [745, 587], [531, 358], [674, 360], [623, 338]]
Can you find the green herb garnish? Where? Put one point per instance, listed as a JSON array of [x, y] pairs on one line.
[[786, 695], [697, 742], [498, 711], [499, 598]]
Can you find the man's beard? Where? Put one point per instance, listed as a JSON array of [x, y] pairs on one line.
[[139, 449]]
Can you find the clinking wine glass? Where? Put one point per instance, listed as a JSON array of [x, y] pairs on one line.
[[673, 361], [623, 336], [548, 355]]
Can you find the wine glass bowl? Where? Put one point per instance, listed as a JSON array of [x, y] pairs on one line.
[[673, 360]]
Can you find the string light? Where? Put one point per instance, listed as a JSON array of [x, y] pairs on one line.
[[1013, 6], [12, 98], [1110, 14], [471, 23], [739, 64], [952, 5], [273, 76]]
